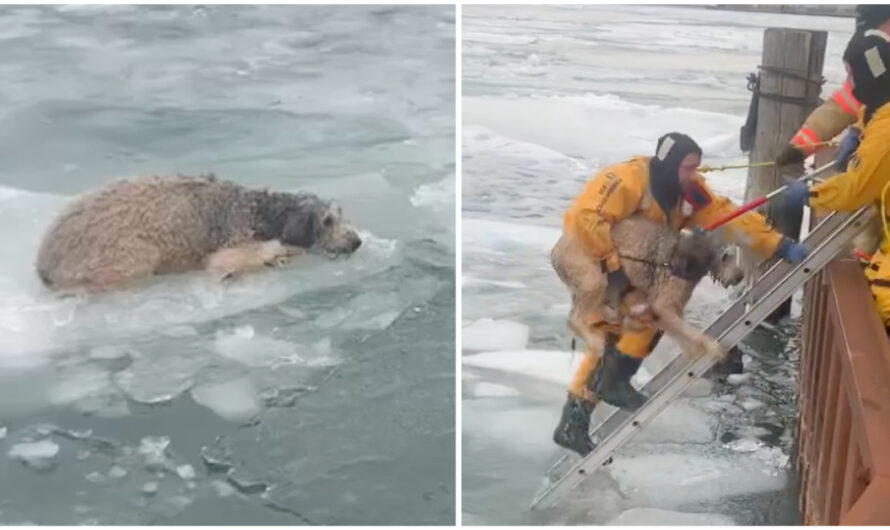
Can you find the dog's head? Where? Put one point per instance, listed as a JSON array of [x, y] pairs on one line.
[[693, 255], [726, 269], [698, 254], [305, 221]]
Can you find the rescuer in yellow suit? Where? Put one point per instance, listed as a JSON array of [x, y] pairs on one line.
[[665, 188], [865, 182]]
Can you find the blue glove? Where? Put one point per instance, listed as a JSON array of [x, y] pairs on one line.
[[797, 195], [848, 146], [791, 251]]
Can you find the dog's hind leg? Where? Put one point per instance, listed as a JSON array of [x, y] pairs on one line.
[[119, 267], [230, 262]]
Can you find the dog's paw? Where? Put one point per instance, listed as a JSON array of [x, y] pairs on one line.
[[714, 350], [640, 317], [706, 347], [277, 261]]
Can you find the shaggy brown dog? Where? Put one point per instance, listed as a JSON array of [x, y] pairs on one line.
[[665, 265], [132, 229]]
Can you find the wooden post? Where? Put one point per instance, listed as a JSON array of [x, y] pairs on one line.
[[789, 91]]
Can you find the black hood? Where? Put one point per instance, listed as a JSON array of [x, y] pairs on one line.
[[868, 55], [664, 181], [870, 16]]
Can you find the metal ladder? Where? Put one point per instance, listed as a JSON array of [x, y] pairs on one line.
[[824, 242]]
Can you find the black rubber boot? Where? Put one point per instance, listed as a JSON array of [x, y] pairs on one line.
[[612, 382], [574, 426]]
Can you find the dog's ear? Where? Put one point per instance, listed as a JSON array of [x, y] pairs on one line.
[[300, 228], [692, 257]]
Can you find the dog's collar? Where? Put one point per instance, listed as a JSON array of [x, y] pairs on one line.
[[646, 261]]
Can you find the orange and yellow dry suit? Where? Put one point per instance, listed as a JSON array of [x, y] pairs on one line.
[[615, 193], [866, 182], [829, 119]]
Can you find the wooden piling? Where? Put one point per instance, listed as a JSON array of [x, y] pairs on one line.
[[790, 84]]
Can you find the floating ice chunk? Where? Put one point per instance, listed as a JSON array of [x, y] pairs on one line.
[[117, 472], [156, 379], [493, 335], [681, 422], [108, 352], [179, 331], [89, 389], [492, 390], [95, 477], [245, 347], [38, 455], [753, 431], [699, 387], [324, 361], [2, 433], [223, 488], [332, 318], [744, 445], [681, 479], [527, 430], [79, 383], [554, 366], [186, 471], [738, 379], [773, 456], [656, 517], [371, 311], [438, 194], [751, 404], [232, 400], [246, 484], [292, 312], [150, 488], [153, 450]]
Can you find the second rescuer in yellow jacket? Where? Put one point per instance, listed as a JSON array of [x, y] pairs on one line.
[[843, 109], [866, 180], [667, 189]]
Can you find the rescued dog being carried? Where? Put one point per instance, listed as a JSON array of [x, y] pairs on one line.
[[630, 270]]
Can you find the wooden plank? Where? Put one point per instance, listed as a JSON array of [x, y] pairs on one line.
[[840, 448]]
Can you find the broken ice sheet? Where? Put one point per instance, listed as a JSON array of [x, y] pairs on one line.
[[39, 455], [153, 450], [159, 378], [235, 400], [244, 346]]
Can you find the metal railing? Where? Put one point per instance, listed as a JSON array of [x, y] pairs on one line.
[[843, 402]]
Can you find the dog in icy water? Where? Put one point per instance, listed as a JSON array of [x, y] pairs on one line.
[[129, 230]]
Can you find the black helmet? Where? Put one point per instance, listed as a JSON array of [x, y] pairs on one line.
[[870, 16], [868, 56], [664, 180]]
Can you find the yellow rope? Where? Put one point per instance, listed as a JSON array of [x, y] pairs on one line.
[[705, 169], [884, 210]]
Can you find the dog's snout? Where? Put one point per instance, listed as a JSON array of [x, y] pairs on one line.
[[355, 241]]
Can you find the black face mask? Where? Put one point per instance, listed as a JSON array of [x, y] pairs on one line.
[[664, 180]]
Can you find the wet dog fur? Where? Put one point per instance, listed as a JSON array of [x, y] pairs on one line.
[[663, 264], [132, 229]]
